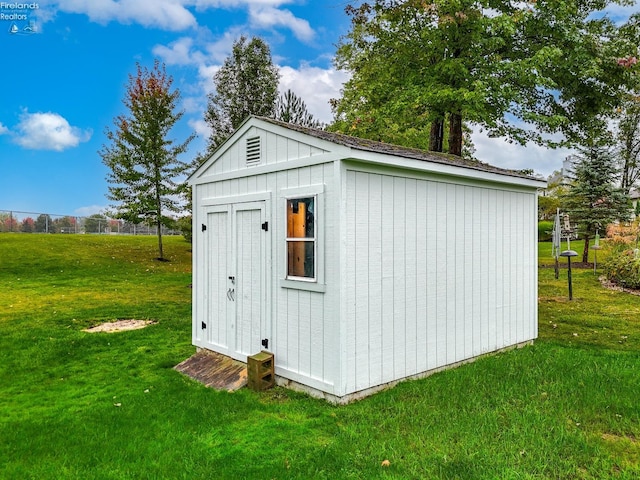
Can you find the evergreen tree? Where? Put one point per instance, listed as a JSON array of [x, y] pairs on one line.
[[593, 201], [43, 224], [246, 84], [291, 109], [143, 160]]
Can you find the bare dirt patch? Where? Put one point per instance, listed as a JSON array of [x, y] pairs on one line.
[[120, 326]]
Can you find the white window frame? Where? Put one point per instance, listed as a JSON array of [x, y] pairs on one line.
[[305, 240], [315, 284]]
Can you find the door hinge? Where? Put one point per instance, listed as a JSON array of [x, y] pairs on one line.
[[204, 227], [265, 226], [204, 325], [265, 343]]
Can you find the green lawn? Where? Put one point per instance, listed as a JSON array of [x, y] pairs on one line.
[[110, 406]]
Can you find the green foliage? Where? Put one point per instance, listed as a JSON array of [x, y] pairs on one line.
[[416, 66], [628, 136], [548, 206], [185, 225], [572, 78], [622, 267], [544, 231], [95, 223], [246, 84], [593, 201], [413, 67], [44, 224], [142, 159]]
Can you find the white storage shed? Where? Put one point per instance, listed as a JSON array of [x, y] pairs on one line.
[[357, 263]]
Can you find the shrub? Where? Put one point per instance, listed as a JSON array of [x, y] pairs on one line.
[[622, 265], [184, 224], [544, 231]]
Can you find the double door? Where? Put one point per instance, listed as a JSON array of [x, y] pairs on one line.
[[234, 277]]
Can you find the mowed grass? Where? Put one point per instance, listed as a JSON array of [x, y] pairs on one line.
[[110, 406]]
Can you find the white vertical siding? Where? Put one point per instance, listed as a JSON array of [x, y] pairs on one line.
[[274, 149], [306, 341], [304, 324], [436, 273]]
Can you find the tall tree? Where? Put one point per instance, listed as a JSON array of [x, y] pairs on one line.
[[577, 67], [246, 84], [422, 68], [594, 201], [43, 223], [291, 108], [142, 158], [628, 137]]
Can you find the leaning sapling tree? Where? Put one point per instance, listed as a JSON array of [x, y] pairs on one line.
[[143, 160]]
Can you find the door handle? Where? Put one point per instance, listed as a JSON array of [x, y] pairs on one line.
[[230, 293]]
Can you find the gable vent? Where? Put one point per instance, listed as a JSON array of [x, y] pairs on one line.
[[253, 151]]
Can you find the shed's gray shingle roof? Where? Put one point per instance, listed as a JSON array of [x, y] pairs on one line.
[[390, 149]]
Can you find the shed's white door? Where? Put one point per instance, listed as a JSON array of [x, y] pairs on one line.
[[235, 279], [216, 310], [249, 240]]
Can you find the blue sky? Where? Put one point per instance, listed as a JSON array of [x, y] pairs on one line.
[[62, 84]]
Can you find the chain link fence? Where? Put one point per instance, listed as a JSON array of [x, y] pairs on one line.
[[31, 222]]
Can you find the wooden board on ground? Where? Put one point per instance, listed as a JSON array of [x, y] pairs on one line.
[[215, 370]]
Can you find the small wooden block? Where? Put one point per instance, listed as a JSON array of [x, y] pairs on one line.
[[260, 371]]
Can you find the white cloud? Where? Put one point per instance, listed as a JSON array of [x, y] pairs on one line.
[[201, 127], [316, 86], [178, 52], [174, 15], [90, 210], [219, 50], [270, 17], [3, 130], [500, 153], [167, 14], [48, 131]]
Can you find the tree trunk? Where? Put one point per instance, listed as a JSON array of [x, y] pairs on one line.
[[158, 186], [436, 135], [455, 134], [585, 254], [159, 226]]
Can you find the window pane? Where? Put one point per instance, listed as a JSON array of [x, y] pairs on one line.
[[300, 218], [300, 259]]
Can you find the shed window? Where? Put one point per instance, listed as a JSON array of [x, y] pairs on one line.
[[301, 238]]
